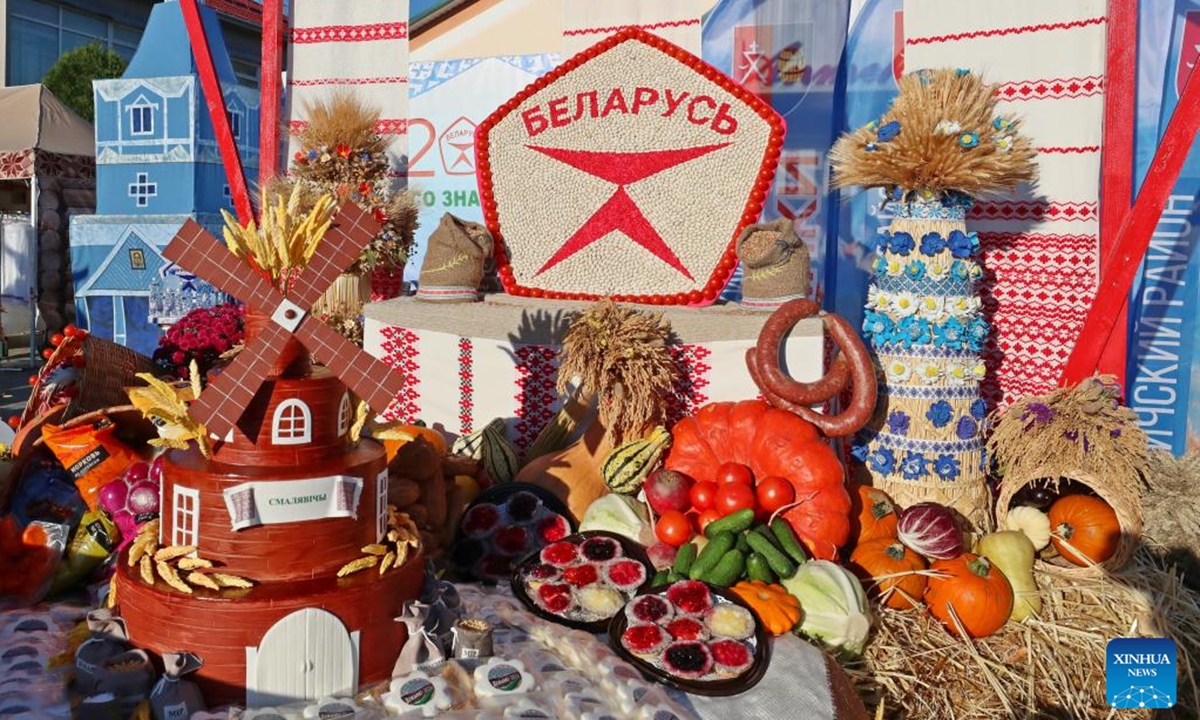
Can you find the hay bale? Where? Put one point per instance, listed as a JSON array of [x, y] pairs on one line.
[[1171, 512], [1050, 666]]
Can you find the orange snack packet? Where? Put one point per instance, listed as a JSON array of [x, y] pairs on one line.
[[92, 455]]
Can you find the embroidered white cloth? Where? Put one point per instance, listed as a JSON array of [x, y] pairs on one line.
[[587, 22], [356, 45], [1041, 250]]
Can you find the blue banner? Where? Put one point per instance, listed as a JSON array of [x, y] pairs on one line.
[[789, 52], [1162, 377], [874, 61]]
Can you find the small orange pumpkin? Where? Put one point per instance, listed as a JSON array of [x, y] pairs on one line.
[[1088, 525], [976, 592], [433, 437], [893, 570], [778, 609], [872, 515]]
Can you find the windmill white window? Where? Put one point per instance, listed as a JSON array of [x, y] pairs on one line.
[[344, 412], [141, 118], [185, 516], [292, 424]]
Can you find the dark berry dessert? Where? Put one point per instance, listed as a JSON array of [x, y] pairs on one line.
[[689, 659], [523, 506], [650, 609], [599, 549]]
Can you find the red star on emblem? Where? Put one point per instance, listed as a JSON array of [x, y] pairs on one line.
[[620, 212]]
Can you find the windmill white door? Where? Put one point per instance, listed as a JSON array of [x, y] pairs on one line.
[[307, 655]]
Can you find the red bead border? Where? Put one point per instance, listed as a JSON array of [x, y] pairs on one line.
[[750, 214]]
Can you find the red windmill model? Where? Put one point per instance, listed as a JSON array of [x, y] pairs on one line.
[[285, 500]]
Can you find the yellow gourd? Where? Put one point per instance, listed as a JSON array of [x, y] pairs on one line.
[[1012, 552], [1033, 522]]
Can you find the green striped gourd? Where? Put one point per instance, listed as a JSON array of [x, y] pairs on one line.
[[627, 466], [499, 458], [472, 445]]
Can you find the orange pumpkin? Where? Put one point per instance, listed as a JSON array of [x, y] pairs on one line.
[[892, 570], [872, 515], [771, 442], [1088, 525], [433, 437], [976, 591], [778, 609]]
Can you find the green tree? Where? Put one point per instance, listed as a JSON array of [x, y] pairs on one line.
[[71, 77]]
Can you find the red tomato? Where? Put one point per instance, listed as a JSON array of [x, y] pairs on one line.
[[732, 472], [703, 495], [706, 517], [773, 493], [48, 353], [673, 528], [733, 497], [14, 422], [70, 331], [33, 379], [56, 339]]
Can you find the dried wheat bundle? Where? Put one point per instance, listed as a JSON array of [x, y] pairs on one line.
[[286, 236], [941, 134], [342, 119], [619, 355]]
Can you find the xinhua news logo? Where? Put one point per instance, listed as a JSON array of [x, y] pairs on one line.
[[1141, 673]]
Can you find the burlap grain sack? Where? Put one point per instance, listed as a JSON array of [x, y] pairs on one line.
[[174, 698], [454, 261], [776, 265]]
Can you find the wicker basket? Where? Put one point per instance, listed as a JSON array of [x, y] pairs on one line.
[[1121, 495], [109, 368]]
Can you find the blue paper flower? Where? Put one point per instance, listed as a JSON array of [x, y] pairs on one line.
[[860, 452], [968, 141], [940, 414], [902, 243], [1001, 124], [876, 324], [915, 270], [888, 131], [959, 270], [880, 265], [912, 331], [882, 461], [896, 192], [950, 334], [898, 422], [967, 427], [312, 155], [977, 332], [978, 408], [946, 467], [915, 466], [974, 238], [960, 244], [961, 72], [933, 243]]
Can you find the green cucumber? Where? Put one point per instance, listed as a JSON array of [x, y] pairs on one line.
[[786, 537], [660, 578], [684, 557], [742, 545], [757, 568], [711, 554], [734, 522], [728, 571], [780, 564], [765, 532], [674, 577]]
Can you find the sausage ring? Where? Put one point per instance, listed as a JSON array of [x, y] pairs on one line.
[[852, 367]]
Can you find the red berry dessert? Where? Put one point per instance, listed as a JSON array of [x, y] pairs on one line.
[[553, 528], [540, 572], [523, 506], [731, 656], [581, 575], [481, 521], [687, 628], [650, 609], [644, 639], [691, 597], [555, 597], [599, 549], [511, 540], [625, 574], [689, 659], [560, 554]]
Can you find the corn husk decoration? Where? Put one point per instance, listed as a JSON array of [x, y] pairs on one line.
[[166, 405]]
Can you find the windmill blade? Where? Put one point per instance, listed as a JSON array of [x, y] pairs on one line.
[[371, 379], [225, 399], [353, 228], [197, 251]]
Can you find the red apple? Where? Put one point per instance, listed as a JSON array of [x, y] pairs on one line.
[[668, 490]]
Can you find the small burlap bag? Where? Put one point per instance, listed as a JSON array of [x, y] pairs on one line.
[[454, 261], [776, 265]]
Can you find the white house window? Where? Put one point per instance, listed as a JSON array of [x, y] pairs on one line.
[[381, 505], [141, 119], [142, 190], [292, 424], [185, 517], [344, 413]]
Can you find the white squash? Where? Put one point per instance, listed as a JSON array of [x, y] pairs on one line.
[[1033, 522]]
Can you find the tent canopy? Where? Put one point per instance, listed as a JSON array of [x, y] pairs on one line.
[[36, 120]]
